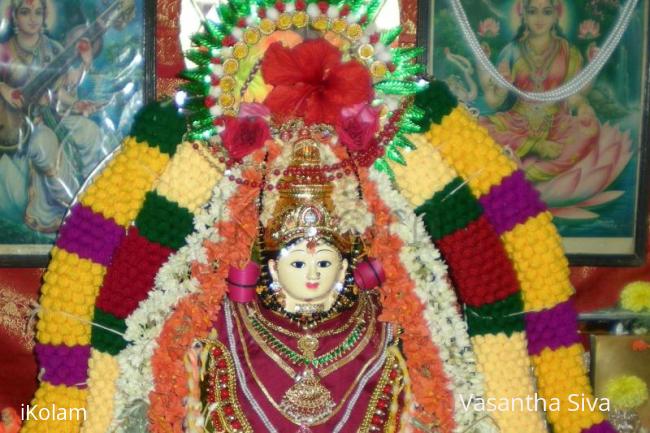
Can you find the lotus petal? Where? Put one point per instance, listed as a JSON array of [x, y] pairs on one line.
[[593, 182], [559, 188], [573, 213], [601, 198]]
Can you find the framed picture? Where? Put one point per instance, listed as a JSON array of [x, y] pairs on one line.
[[72, 75], [586, 151]]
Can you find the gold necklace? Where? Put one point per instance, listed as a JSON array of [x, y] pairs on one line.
[[323, 416], [361, 305], [309, 346]]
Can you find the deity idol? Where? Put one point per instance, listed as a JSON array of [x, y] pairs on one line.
[[279, 263]]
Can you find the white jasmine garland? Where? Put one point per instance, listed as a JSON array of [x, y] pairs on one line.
[[447, 328]]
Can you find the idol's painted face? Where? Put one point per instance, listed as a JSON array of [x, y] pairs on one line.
[[29, 17], [540, 16], [308, 273]]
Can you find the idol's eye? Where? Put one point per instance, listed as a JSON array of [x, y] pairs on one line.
[[298, 264], [324, 263]]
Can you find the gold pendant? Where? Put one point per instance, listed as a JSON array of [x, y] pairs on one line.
[[307, 402], [308, 345]]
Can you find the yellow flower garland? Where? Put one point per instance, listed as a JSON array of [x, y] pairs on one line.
[[541, 267], [119, 192], [70, 287], [505, 365], [103, 371], [424, 174], [626, 392], [562, 373], [468, 147], [189, 178], [60, 398]]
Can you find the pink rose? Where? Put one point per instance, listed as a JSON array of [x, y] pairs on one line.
[[244, 135], [357, 127]]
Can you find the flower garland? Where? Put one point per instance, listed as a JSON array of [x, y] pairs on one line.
[[446, 327], [547, 336], [173, 284], [194, 314]]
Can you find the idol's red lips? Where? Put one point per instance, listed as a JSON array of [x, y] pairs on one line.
[[312, 285]]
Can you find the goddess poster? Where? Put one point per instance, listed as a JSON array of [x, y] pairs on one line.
[[585, 153], [71, 78]]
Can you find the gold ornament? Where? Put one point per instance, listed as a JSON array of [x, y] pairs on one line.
[[320, 23], [240, 50], [267, 26], [300, 19], [366, 51], [227, 100], [378, 69], [339, 25], [307, 401], [251, 36], [354, 31], [284, 21], [227, 84], [230, 66]]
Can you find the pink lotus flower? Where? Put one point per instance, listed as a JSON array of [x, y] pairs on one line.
[[572, 193], [589, 29], [592, 51], [489, 28], [357, 127]]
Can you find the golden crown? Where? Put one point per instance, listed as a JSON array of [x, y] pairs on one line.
[[304, 209]]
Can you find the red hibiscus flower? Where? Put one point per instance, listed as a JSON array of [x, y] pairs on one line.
[[311, 82], [244, 135], [357, 127]]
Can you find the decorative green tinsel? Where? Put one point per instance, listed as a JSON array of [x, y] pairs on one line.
[[389, 36], [408, 126], [402, 142], [194, 87], [406, 55], [197, 56], [394, 154], [397, 87], [382, 165], [204, 40], [214, 31], [406, 70], [372, 8], [197, 74]]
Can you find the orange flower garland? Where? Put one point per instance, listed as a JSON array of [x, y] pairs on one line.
[[402, 306]]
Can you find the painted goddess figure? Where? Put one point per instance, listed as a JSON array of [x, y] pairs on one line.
[[559, 142]]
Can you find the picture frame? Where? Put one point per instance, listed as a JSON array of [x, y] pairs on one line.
[[72, 76], [586, 154]]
